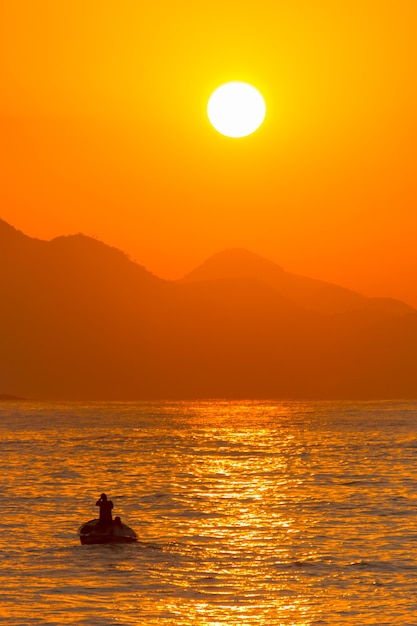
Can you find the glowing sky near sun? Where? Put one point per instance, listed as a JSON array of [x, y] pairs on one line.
[[104, 131]]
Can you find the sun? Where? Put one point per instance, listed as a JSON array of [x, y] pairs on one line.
[[236, 109]]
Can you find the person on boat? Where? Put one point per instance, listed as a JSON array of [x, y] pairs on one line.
[[105, 510]]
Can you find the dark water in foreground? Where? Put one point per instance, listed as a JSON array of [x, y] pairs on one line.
[[248, 513]]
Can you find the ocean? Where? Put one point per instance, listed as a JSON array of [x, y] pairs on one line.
[[249, 513]]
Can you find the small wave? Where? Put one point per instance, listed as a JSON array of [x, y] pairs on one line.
[[351, 482]]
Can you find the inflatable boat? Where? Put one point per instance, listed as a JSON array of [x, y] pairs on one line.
[[95, 532]]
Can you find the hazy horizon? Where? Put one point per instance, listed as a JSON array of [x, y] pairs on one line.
[[214, 255], [105, 131], [80, 320]]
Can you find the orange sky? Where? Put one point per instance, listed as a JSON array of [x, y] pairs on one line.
[[104, 132]]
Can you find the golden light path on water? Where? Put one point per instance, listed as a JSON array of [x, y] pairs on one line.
[[247, 513]]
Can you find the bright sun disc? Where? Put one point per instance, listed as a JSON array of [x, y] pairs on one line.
[[236, 109]]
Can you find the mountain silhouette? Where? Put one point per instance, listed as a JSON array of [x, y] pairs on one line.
[[79, 320], [311, 294]]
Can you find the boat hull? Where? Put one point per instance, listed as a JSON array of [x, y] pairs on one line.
[[93, 532]]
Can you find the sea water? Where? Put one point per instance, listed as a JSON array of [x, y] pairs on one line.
[[257, 513]]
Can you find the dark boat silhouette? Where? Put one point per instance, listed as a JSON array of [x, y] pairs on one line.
[[95, 532]]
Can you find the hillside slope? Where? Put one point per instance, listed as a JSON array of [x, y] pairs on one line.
[[79, 320]]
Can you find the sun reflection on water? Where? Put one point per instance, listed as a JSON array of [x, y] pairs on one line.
[[236, 497], [247, 513]]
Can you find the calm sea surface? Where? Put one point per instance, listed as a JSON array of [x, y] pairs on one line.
[[247, 513]]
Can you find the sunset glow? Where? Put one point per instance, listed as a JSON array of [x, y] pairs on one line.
[[104, 131], [208, 279]]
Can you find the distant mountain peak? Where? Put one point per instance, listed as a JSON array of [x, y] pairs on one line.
[[79, 320], [233, 263], [309, 293]]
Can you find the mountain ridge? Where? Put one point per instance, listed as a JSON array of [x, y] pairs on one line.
[[315, 295], [80, 321], [232, 263]]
